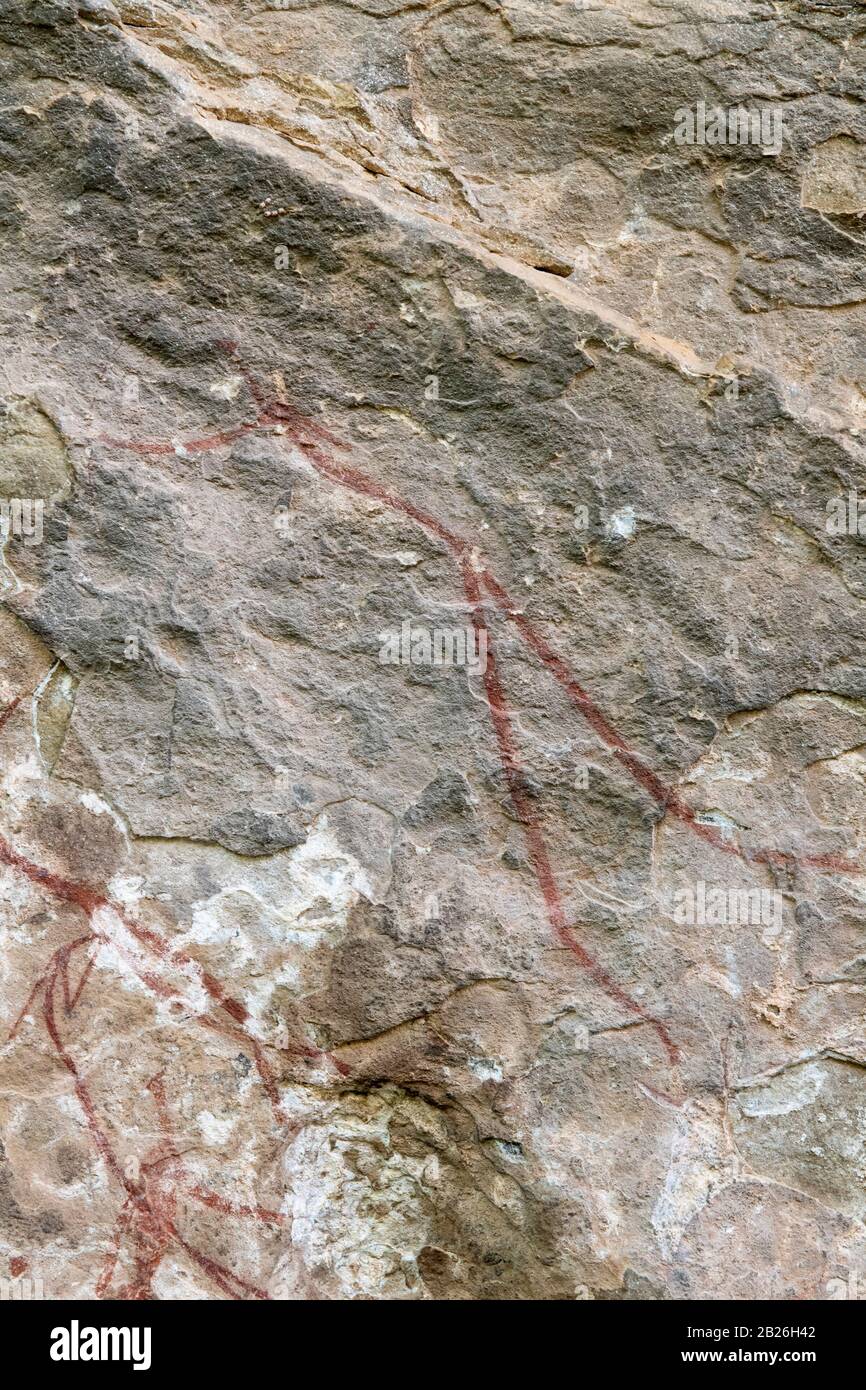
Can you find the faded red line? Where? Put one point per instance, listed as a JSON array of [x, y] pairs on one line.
[[308, 436], [151, 1227], [198, 446], [71, 999], [211, 1199], [532, 831], [222, 1277], [665, 795], [138, 1210], [90, 901], [84, 1099], [156, 1086], [156, 1226], [62, 952], [10, 709], [124, 1219], [63, 888]]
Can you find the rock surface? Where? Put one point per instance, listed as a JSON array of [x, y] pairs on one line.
[[331, 968]]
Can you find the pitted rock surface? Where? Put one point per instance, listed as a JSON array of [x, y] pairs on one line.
[[333, 331]]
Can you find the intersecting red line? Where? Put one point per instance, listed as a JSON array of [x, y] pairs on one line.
[[310, 437], [316, 442], [148, 1213]]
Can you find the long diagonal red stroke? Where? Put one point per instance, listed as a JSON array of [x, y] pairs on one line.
[[152, 1221], [311, 438], [150, 1217]]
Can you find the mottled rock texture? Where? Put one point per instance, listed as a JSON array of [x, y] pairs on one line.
[[534, 976]]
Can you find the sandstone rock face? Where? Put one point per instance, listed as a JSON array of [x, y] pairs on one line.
[[432, 675]]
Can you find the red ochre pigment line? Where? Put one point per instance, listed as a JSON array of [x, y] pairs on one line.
[[663, 794], [307, 435], [515, 780], [156, 1086], [226, 1208], [222, 1277], [10, 709], [150, 1217], [666, 796], [62, 888], [533, 835], [266, 1076], [90, 901], [150, 1221], [58, 969], [152, 1229], [69, 999], [641, 773], [156, 1227], [28, 1003], [99, 1137], [104, 1281], [195, 446]]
